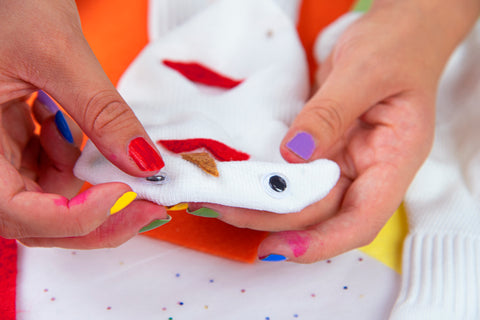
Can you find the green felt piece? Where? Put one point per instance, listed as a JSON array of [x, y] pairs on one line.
[[205, 212]]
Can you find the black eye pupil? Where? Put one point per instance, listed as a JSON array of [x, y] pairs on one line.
[[277, 183], [157, 178]]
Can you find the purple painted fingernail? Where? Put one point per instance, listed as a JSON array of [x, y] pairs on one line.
[[44, 99], [302, 144]]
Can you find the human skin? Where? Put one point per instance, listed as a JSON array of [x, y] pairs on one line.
[[374, 114], [43, 48]]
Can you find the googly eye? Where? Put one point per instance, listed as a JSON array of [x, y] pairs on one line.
[[160, 178], [276, 185]]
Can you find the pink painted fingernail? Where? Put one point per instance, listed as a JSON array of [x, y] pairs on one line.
[[146, 158], [302, 144]]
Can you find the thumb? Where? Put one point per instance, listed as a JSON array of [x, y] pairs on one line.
[[345, 94], [85, 92]]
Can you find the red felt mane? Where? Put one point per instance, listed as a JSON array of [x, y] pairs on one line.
[[219, 150], [198, 73]]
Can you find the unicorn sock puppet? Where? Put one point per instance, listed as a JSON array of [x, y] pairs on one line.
[[217, 95]]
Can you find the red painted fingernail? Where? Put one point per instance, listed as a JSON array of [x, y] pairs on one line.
[[146, 158]]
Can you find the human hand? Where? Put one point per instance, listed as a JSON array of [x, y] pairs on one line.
[[374, 115], [44, 48]]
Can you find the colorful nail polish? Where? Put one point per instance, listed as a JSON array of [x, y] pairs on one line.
[[155, 224], [45, 99], [205, 212], [178, 207], [146, 158], [273, 258], [60, 121], [123, 201], [63, 127], [302, 144]]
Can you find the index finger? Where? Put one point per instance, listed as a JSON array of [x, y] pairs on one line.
[[37, 214]]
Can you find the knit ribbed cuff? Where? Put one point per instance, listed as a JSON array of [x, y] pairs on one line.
[[441, 277]]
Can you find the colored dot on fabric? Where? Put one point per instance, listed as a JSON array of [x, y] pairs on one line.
[[267, 318], [164, 309], [170, 318], [360, 259], [211, 280], [295, 315], [345, 288], [177, 275], [45, 290], [109, 308], [329, 261], [180, 303], [242, 291], [53, 299], [206, 307], [313, 295]]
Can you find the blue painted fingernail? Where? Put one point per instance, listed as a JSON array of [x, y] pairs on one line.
[[60, 120], [155, 224], [302, 144], [63, 127], [205, 212], [273, 258], [44, 99]]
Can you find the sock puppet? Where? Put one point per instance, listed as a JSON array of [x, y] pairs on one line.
[[217, 94]]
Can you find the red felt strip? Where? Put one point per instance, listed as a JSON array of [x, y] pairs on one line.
[[8, 278], [220, 151], [198, 73]]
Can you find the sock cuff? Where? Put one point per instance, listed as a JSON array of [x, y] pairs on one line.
[[441, 277]]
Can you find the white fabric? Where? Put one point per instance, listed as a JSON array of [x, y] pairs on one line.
[[148, 279], [164, 15], [249, 40], [441, 254]]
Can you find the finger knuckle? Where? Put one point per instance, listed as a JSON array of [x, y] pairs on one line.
[[107, 112], [327, 113], [80, 227]]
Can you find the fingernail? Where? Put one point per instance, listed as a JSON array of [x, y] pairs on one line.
[[178, 207], [60, 121], [63, 127], [155, 224], [302, 144], [273, 258], [45, 99], [205, 212], [146, 158], [123, 201]]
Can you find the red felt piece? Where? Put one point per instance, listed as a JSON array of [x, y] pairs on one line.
[[8, 278], [198, 73], [220, 151]]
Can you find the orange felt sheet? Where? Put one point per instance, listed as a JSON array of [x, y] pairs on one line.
[[117, 32]]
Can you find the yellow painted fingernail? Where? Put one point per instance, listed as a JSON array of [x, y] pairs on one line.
[[178, 207], [123, 201]]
